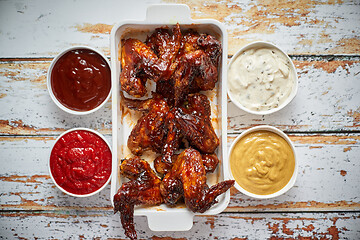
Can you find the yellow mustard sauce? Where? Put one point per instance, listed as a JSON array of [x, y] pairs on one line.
[[262, 162]]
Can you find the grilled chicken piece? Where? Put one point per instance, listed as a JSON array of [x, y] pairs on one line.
[[148, 133], [210, 161], [187, 179], [138, 63], [156, 130], [143, 188], [195, 71], [211, 46], [166, 45], [196, 67], [195, 123], [198, 196], [162, 167]]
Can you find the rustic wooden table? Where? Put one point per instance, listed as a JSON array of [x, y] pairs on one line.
[[321, 37]]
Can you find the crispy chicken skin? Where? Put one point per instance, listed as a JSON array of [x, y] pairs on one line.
[[148, 132], [138, 63], [177, 116], [162, 128], [143, 188], [179, 64], [195, 124], [151, 60], [163, 167], [198, 196], [210, 161], [187, 179], [196, 67], [166, 45]]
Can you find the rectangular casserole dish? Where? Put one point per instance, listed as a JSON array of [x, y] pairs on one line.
[[163, 218]]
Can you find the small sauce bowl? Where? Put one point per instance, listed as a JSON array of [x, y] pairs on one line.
[[262, 45], [73, 159], [289, 184], [79, 80]]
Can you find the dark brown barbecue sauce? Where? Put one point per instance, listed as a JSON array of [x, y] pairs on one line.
[[81, 79]]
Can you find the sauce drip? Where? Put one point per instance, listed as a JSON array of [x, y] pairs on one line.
[[80, 162], [81, 79], [262, 162]]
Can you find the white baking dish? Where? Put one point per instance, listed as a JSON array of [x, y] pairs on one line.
[[163, 218]]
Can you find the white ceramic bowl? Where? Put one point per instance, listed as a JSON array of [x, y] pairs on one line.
[[261, 44], [52, 177], [56, 101], [292, 180]]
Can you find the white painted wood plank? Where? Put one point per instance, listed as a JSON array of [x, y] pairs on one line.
[[328, 178], [42, 28], [105, 225], [26, 106], [328, 100]]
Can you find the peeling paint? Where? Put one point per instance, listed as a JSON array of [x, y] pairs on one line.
[[287, 230], [356, 116], [47, 214], [98, 28], [318, 139], [166, 238], [343, 173], [297, 205], [348, 45], [267, 17], [273, 227], [34, 72], [19, 138], [24, 179], [347, 149], [251, 219], [326, 139], [327, 66], [309, 228], [211, 221], [312, 147], [17, 127], [334, 232]]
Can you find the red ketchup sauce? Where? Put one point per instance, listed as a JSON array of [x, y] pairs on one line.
[[81, 79], [80, 162]]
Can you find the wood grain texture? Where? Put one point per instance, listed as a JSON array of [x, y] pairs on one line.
[[322, 38], [298, 27], [106, 225], [328, 99], [327, 179], [27, 108]]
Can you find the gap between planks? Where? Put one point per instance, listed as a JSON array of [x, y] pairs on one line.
[[327, 57]]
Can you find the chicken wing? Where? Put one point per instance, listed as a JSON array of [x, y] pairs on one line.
[[166, 45], [187, 179], [195, 67], [139, 63], [210, 161], [143, 188], [198, 196], [195, 124], [148, 133]]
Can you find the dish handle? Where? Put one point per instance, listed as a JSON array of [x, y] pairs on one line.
[[170, 13], [171, 221]]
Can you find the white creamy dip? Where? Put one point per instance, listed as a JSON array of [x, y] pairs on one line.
[[261, 79]]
